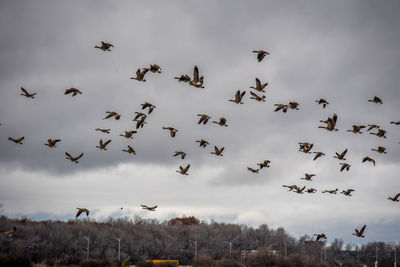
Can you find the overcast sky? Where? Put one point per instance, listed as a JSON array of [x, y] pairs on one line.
[[344, 51]]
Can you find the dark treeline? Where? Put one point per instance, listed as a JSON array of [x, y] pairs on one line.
[[63, 243]]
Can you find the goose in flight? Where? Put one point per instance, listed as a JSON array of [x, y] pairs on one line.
[[260, 54], [259, 86], [26, 94], [155, 68], [104, 46], [380, 149], [172, 131], [380, 133], [197, 81], [52, 142], [139, 115], [11, 232], [265, 163], [294, 105], [341, 156], [395, 122], [80, 211], [218, 151], [311, 190], [253, 170], [130, 150], [180, 153], [320, 236], [128, 134], [72, 90], [322, 102], [221, 122], [72, 159], [257, 97], [318, 154], [148, 105], [308, 177], [359, 233], [149, 208], [330, 123], [203, 143], [291, 187], [395, 198], [304, 145], [16, 140], [357, 129], [107, 131], [112, 114], [347, 192], [140, 123], [300, 190], [282, 107], [306, 148], [376, 100], [345, 166], [183, 78], [372, 126], [366, 158], [184, 171], [140, 75], [331, 191], [238, 97], [203, 118]]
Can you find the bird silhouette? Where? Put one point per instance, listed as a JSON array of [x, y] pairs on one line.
[[130, 150], [104, 46], [183, 78], [265, 163], [331, 191], [376, 100], [318, 154], [257, 97], [73, 159], [259, 86], [260, 54], [82, 210], [148, 105], [372, 126], [320, 236], [356, 129], [140, 75], [203, 143], [291, 187], [180, 153], [17, 140], [128, 134], [359, 233], [184, 171], [366, 158], [107, 131], [282, 107], [347, 192], [112, 114], [139, 115], [294, 105], [311, 190], [380, 133], [395, 198], [197, 81], [330, 123], [308, 177], [221, 122], [395, 122], [153, 208], [73, 91], [218, 151], [345, 166], [322, 102], [155, 68], [380, 149], [52, 142], [103, 145], [172, 131], [341, 156], [238, 97], [253, 170], [203, 118], [26, 94]]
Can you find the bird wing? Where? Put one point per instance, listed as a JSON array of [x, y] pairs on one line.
[[258, 83], [138, 73], [254, 94], [68, 155], [79, 213], [362, 229], [396, 196], [78, 157], [24, 91], [186, 168], [106, 143], [196, 74]]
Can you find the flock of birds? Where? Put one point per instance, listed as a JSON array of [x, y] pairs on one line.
[[198, 81]]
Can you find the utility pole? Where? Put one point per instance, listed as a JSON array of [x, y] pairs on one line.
[[88, 244], [195, 252], [376, 257], [119, 248], [230, 249], [395, 258], [285, 249]]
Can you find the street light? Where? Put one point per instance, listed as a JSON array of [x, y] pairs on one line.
[[230, 249], [119, 248], [195, 251], [87, 250]]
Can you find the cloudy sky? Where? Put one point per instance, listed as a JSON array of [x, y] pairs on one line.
[[344, 51]]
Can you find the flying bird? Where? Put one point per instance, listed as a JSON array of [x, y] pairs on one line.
[[130, 150], [238, 97], [323, 102], [172, 131], [183, 78], [257, 97], [203, 118], [221, 122], [356, 129], [155, 68], [72, 159], [265, 163], [380, 149], [376, 100], [359, 233], [140, 123], [217, 151], [345, 166], [320, 236], [330, 123], [259, 86], [308, 177], [112, 114], [149, 208], [107, 131], [52, 142], [260, 54], [139, 115], [341, 156], [148, 105], [395, 122], [318, 154], [300, 190], [331, 191], [203, 143], [128, 134], [102, 145], [197, 81], [253, 170], [180, 153], [184, 171], [294, 105], [104, 46], [16, 140], [311, 190], [372, 126], [291, 187], [395, 198], [73, 91], [282, 107], [80, 211], [380, 133], [366, 158], [347, 192], [26, 94], [140, 75]]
